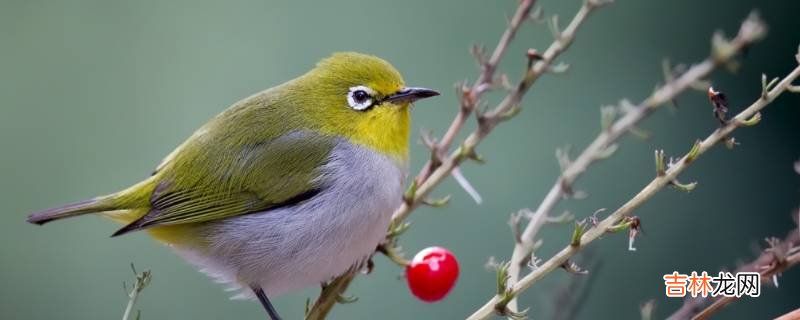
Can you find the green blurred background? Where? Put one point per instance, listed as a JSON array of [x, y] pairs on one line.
[[94, 92]]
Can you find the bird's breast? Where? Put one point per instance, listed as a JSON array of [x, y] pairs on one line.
[[302, 245]]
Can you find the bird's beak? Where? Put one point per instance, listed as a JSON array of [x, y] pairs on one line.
[[410, 94]]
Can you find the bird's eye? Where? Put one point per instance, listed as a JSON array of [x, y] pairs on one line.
[[360, 97]]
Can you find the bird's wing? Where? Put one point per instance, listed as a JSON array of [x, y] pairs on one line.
[[219, 182]]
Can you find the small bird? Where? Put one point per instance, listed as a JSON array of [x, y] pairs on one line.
[[285, 189]]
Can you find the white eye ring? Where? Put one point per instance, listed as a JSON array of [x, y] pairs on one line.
[[356, 99]]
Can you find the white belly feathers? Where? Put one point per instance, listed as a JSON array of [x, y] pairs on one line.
[[303, 245]]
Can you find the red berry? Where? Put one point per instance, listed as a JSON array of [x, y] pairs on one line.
[[432, 273]]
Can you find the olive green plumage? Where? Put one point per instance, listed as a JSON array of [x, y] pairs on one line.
[[262, 152], [283, 190]]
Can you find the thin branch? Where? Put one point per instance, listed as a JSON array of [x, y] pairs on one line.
[[490, 119], [437, 168], [770, 263], [643, 196], [470, 97], [569, 300], [441, 166], [747, 35], [142, 280], [791, 261], [330, 295]]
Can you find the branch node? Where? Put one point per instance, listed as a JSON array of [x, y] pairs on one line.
[[514, 223], [573, 268], [536, 15], [479, 53], [308, 306], [797, 56], [666, 69], [394, 253], [634, 226], [577, 233], [564, 217], [502, 82], [346, 299], [720, 103], [427, 139], [512, 112], [562, 156], [639, 133], [694, 152], [533, 56], [502, 277], [397, 230], [755, 119], [767, 86], [607, 116], [730, 143], [594, 219], [533, 261], [753, 28], [506, 294], [606, 152], [722, 51], [661, 164], [626, 106], [685, 187], [410, 193], [552, 23], [559, 68], [669, 76], [437, 203]]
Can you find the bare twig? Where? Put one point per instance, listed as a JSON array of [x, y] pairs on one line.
[[471, 96], [569, 300], [658, 183], [748, 33], [720, 303], [442, 165], [142, 280], [779, 256], [330, 295], [505, 109]]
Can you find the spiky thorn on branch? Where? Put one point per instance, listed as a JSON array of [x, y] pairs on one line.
[[643, 196], [616, 121]]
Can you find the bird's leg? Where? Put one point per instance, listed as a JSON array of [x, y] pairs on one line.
[[265, 302]]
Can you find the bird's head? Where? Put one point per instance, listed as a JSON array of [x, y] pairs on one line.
[[362, 98]]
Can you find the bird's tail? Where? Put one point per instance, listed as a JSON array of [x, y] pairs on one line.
[[75, 209], [135, 197]]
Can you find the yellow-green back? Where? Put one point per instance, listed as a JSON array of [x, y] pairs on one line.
[[267, 149]]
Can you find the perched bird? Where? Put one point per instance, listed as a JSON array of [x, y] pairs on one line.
[[283, 190]]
